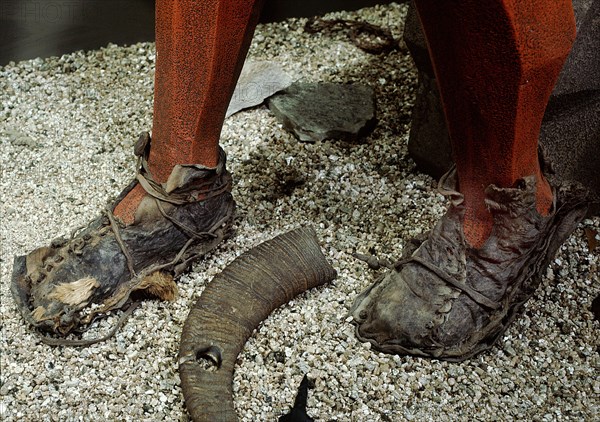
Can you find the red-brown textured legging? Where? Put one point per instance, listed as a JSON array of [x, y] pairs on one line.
[[200, 51], [496, 63]]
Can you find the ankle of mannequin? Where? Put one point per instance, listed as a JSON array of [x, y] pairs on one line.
[[161, 166], [478, 221], [125, 210]]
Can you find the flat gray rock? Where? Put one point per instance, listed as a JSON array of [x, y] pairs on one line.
[[258, 81], [318, 111]]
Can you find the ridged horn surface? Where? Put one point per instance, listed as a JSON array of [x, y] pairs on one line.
[[232, 306]]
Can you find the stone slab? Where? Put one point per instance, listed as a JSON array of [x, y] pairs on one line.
[[317, 111], [257, 82]]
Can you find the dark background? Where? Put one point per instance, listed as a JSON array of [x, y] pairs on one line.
[[43, 28]]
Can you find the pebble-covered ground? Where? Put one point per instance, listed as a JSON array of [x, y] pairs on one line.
[[67, 128]]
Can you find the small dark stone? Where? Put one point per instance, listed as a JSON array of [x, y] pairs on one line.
[[317, 111], [565, 327], [596, 308]]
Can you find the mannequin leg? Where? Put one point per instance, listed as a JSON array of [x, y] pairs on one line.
[[496, 65], [454, 292], [200, 51], [180, 206]]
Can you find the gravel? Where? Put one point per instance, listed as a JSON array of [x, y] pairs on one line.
[[67, 128]]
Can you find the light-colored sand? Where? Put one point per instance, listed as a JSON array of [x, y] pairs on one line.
[[67, 127]]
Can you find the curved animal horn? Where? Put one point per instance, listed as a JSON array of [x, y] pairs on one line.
[[232, 306]]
